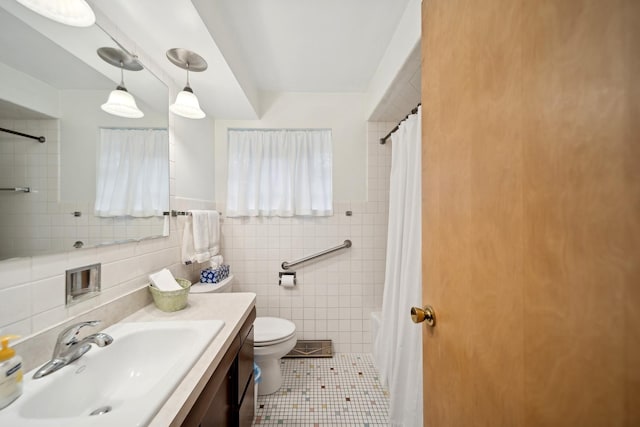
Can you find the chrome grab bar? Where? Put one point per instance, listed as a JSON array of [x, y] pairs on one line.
[[17, 189], [288, 265]]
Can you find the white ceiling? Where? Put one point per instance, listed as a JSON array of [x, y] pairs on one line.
[[254, 46], [44, 59], [158, 25], [307, 45], [250, 46], [64, 57], [9, 110]]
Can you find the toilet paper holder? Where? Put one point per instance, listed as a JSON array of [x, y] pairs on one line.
[[281, 274]]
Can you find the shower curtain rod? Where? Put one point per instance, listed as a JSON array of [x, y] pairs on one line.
[[41, 139], [414, 111]]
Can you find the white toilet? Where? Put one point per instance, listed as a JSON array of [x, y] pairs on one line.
[[273, 338]]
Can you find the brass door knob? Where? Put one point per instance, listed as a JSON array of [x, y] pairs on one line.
[[425, 314]]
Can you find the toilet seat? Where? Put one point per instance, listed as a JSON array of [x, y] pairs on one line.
[[272, 330]]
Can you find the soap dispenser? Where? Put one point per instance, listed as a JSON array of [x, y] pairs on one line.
[[10, 372]]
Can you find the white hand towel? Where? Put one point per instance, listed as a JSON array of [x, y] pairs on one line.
[[216, 261], [188, 251], [164, 281], [201, 235], [165, 226], [214, 232]]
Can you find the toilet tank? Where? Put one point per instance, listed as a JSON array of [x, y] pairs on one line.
[[224, 286]]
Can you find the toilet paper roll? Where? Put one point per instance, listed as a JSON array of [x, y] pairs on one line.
[[287, 281]]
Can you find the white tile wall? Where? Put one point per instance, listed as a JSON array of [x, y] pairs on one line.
[[334, 297], [335, 294], [32, 289], [404, 93], [26, 226]]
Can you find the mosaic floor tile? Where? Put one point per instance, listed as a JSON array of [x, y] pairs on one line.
[[342, 391]]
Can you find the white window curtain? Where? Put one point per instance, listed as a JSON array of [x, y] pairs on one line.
[[133, 173], [283, 172]]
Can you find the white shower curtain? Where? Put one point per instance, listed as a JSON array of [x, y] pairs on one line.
[[398, 346]]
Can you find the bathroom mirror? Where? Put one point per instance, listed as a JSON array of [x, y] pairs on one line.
[[52, 84]]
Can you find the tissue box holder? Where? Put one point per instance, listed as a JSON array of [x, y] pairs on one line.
[[214, 275], [172, 300]]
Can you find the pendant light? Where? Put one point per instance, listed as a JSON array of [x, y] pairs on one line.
[[121, 103], [187, 104], [76, 13]]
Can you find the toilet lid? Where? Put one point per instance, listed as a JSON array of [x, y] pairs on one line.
[[267, 329]]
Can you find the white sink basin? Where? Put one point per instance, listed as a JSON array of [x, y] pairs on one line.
[[126, 382]]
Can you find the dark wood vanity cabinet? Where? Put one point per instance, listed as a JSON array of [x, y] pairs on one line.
[[228, 397], [245, 394]]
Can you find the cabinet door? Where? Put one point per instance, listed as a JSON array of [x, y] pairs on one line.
[[216, 404], [220, 413], [247, 408], [245, 365], [228, 397]]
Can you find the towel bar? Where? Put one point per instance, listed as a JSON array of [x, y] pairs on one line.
[[182, 213], [17, 189]]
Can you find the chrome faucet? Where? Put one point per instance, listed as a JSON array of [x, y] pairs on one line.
[[68, 348]]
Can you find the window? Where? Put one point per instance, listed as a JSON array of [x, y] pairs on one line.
[[279, 172], [133, 173]]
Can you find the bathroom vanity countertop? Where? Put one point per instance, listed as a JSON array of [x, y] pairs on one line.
[[233, 309]]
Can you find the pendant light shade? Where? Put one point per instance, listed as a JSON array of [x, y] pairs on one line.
[[76, 13], [120, 102], [187, 104]]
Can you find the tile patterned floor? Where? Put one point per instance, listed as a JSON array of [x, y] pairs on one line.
[[339, 391]]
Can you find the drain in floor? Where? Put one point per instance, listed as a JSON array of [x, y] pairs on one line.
[[311, 348]]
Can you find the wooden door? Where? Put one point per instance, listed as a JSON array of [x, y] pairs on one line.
[[531, 212]]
